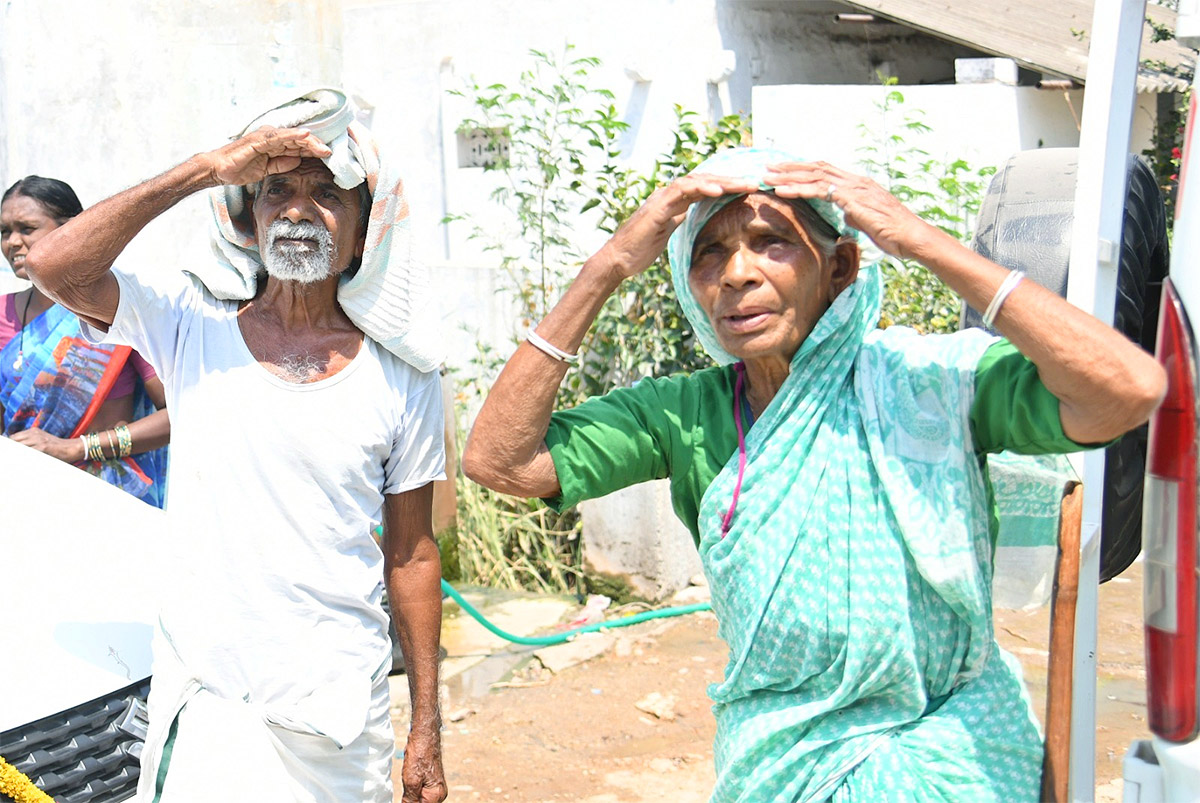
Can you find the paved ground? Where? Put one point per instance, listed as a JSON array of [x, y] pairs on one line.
[[624, 717]]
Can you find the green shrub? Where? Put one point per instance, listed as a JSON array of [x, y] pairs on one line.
[[947, 193], [556, 146]]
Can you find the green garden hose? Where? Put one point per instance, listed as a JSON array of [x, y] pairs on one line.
[[567, 635]]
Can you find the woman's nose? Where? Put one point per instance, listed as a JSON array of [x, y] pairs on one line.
[[741, 268]]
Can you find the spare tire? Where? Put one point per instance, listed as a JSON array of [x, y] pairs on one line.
[[1025, 223]]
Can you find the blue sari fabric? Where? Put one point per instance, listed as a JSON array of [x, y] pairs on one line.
[[50, 377]]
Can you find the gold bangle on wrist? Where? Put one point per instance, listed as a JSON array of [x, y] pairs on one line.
[[94, 451], [124, 442]]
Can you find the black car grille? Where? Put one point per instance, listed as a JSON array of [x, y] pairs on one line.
[[86, 754]]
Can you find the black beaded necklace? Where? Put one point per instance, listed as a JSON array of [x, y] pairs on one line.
[[20, 361]]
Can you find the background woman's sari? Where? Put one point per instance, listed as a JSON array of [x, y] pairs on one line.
[[58, 385]]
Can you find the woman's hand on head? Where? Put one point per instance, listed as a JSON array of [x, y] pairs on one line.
[[642, 238], [868, 207], [69, 450]]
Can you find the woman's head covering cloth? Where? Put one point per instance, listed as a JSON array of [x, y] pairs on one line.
[[853, 588], [747, 163]]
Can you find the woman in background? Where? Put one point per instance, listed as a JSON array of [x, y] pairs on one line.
[[99, 407]]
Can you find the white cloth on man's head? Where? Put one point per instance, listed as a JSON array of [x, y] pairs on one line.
[[389, 297], [272, 581], [328, 114]]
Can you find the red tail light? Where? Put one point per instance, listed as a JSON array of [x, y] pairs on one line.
[[1169, 535]]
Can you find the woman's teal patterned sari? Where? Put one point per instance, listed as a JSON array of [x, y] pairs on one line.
[[854, 587]]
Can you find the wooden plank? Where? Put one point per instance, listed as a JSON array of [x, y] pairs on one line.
[[1048, 37], [1056, 758]]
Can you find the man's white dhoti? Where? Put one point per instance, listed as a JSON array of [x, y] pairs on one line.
[[203, 748]]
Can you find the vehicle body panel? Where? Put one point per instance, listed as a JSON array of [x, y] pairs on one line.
[[79, 582]]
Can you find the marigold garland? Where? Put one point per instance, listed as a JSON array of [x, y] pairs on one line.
[[16, 785]]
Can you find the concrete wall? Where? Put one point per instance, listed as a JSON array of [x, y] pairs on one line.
[[103, 95], [633, 541], [982, 123]]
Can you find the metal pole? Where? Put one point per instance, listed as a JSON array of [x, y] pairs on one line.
[[1116, 38]]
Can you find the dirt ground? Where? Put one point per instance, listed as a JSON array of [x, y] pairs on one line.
[[590, 731]]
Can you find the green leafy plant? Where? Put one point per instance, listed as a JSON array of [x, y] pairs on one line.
[[506, 542], [545, 134], [641, 331], [555, 145], [1165, 153], [944, 192]]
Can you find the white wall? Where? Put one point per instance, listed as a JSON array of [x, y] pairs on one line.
[[104, 95], [982, 123]]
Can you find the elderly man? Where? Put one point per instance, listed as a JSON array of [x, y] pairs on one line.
[[294, 434]]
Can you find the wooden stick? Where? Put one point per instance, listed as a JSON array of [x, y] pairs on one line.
[[1055, 770]]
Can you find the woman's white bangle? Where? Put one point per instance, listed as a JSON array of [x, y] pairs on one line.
[[549, 349], [1006, 287]]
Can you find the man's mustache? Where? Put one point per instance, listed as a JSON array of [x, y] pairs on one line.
[[303, 230]]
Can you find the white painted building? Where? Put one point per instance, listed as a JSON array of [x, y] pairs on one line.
[[103, 95]]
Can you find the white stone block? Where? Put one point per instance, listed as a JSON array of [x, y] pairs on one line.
[[633, 537], [985, 71]]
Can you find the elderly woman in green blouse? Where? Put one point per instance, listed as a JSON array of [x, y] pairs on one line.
[[832, 473]]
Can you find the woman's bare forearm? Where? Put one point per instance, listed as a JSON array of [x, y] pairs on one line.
[[145, 434], [505, 450], [150, 432], [1105, 384]]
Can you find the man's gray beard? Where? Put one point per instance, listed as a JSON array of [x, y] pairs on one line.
[[298, 263]]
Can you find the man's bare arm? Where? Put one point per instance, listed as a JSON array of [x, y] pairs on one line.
[[71, 264], [413, 570]]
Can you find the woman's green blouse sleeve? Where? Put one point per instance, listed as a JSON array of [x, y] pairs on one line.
[[1012, 410], [609, 442]]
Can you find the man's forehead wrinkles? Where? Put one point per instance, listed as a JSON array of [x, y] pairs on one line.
[[311, 177]]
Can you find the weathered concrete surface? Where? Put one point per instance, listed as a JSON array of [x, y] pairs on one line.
[[633, 537], [583, 648], [475, 657]]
